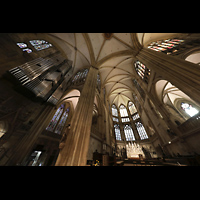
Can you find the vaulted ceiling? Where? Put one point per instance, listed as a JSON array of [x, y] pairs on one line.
[[112, 53]]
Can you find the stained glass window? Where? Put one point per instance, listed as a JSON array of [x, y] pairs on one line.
[[27, 50], [189, 109], [128, 131], [125, 119], [40, 44], [84, 74], [117, 132], [166, 46], [55, 118], [114, 110], [62, 121], [132, 108], [142, 71], [80, 77], [136, 116], [22, 45], [115, 119], [123, 111], [141, 130], [76, 77]]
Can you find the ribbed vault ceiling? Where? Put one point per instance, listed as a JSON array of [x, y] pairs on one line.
[[113, 56]]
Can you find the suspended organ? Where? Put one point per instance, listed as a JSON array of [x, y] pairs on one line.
[[44, 78]]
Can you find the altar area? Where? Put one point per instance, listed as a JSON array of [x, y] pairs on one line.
[[134, 150]]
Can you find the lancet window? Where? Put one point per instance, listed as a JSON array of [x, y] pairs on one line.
[[141, 130], [123, 111], [142, 71], [117, 132], [128, 131], [133, 111], [136, 118], [58, 121], [114, 110], [62, 121], [132, 108]]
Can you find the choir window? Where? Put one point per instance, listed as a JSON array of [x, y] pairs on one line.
[[128, 131], [136, 116], [132, 108], [189, 109], [141, 130], [125, 119], [40, 44], [123, 111], [117, 132], [58, 119], [114, 111], [115, 119]]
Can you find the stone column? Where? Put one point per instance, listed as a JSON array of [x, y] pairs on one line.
[[74, 152], [136, 134], [183, 74]]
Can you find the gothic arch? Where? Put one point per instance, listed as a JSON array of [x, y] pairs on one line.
[[171, 97], [71, 95], [190, 52]]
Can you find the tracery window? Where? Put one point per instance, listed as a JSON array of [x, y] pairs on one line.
[[80, 77], [142, 71], [168, 46], [128, 131], [132, 108], [115, 119], [141, 130], [114, 110], [189, 109], [62, 121], [125, 119], [58, 119], [123, 111], [117, 132], [40, 44], [136, 116]]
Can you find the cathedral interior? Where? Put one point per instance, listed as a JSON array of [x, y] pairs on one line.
[[99, 99]]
